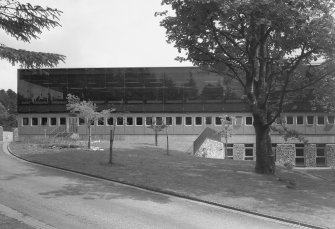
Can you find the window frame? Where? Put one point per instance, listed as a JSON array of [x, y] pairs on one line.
[[252, 120], [34, 119], [117, 121], [103, 121], [216, 121], [300, 124], [178, 118], [317, 120], [170, 122], [81, 123], [146, 120], [195, 120], [208, 118], [331, 123], [132, 121], [321, 147], [299, 147], [310, 124], [286, 119], [136, 121], [60, 121], [190, 118], [53, 118], [25, 118], [249, 147]]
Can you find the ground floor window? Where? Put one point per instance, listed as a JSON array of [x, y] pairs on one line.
[[320, 155], [25, 121], [44, 121], [229, 151], [249, 152], [299, 155]]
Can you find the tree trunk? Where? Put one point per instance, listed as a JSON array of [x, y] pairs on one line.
[[89, 137], [156, 136], [265, 162]]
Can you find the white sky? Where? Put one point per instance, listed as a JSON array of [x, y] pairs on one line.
[[103, 33]]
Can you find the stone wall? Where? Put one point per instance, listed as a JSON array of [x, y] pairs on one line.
[[211, 149], [310, 155], [330, 155], [285, 154], [238, 152]]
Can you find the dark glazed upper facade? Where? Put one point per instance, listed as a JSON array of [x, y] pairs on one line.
[[158, 89]]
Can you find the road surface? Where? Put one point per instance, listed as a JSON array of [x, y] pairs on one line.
[[50, 198]]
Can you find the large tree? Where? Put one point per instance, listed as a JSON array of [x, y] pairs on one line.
[[25, 22], [267, 46]]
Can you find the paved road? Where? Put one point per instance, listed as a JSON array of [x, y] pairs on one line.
[[58, 199]]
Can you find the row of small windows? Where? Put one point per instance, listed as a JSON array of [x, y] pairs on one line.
[[309, 120], [139, 121], [300, 155]]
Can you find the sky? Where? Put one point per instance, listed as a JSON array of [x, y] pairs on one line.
[[104, 33]]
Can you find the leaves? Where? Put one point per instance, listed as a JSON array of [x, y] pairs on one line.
[[25, 22]]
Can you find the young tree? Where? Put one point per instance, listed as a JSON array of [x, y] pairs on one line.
[[157, 126], [86, 110], [227, 129], [24, 22], [267, 46]]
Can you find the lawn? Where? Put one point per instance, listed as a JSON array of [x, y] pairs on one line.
[[291, 194]]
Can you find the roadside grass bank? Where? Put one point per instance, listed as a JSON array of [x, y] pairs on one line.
[[290, 194]]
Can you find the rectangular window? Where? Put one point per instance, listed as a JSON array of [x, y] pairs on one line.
[[62, 121], [81, 121], [188, 121], [92, 122], [159, 120], [238, 120], [249, 152], [139, 121], [148, 121], [300, 120], [53, 121], [310, 120], [168, 121], [25, 121], [229, 151], [179, 121], [217, 121], [248, 120], [198, 121], [208, 120], [330, 119], [289, 120], [130, 121], [119, 121], [274, 149], [34, 121], [299, 155], [320, 155], [44, 121], [110, 121], [101, 121], [321, 120]]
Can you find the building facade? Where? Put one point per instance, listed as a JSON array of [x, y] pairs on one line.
[[187, 99]]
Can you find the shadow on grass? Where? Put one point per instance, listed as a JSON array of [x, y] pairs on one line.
[[223, 181]]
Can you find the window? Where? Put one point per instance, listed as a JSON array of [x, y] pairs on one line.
[[238, 120], [25, 121], [168, 121], [229, 151], [208, 120], [310, 120], [92, 122], [139, 121], [110, 121], [321, 120], [159, 120], [320, 155], [274, 149], [62, 121], [188, 121], [198, 121], [248, 121], [289, 120], [330, 120], [101, 121], [148, 121], [119, 121], [299, 155], [53, 121], [130, 121], [34, 121], [217, 121], [44, 121], [179, 120], [81, 121], [300, 120], [249, 152]]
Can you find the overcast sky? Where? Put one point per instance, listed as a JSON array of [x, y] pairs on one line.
[[103, 33]]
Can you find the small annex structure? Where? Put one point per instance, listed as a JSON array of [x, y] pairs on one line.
[[209, 145]]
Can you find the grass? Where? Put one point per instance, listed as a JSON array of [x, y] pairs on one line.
[[290, 194]]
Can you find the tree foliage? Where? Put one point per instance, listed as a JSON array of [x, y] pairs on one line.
[[25, 22], [269, 47], [8, 109], [86, 110]]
